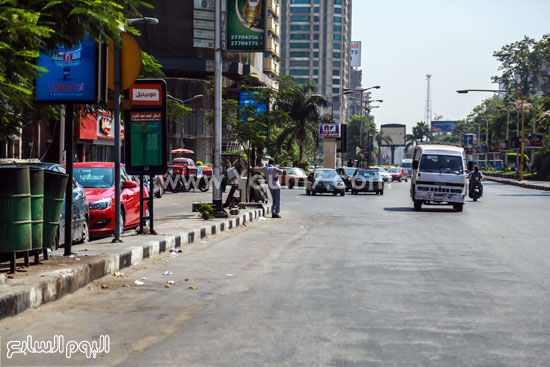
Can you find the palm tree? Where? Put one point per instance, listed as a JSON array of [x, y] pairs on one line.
[[301, 104]]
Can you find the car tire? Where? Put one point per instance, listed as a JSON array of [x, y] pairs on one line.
[[458, 207], [291, 185], [342, 193], [122, 221], [85, 232], [418, 205], [335, 193], [381, 192], [160, 193]]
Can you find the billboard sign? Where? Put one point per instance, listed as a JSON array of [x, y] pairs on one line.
[[470, 140], [246, 25], [250, 99], [329, 130], [443, 126], [396, 132], [533, 141], [145, 129], [72, 75], [355, 53]]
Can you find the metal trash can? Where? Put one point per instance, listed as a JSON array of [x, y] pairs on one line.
[[15, 210], [55, 184], [37, 205]]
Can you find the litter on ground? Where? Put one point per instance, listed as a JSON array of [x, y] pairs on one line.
[[139, 282]]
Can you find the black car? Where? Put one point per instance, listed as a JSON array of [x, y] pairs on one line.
[[325, 181], [366, 180], [346, 173]]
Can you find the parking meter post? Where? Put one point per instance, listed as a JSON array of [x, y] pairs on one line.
[[151, 198], [69, 169]]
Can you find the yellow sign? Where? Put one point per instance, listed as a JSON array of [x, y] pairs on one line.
[[130, 62]]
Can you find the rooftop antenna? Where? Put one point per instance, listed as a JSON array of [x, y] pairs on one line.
[[428, 113]]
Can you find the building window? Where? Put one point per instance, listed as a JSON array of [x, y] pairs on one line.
[[299, 63], [315, 71], [299, 45], [336, 55], [315, 44], [316, 37], [337, 37], [336, 46], [335, 81], [316, 54], [316, 18], [299, 1], [338, 2], [336, 64], [337, 19], [300, 10], [300, 18], [337, 10], [337, 28], [301, 36], [335, 72], [300, 27], [316, 10], [316, 63], [301, 80], [301, 72], [316, 27], [299, 54], [335, 90]]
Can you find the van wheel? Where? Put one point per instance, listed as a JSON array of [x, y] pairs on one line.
[[418, 205], [458, 207]]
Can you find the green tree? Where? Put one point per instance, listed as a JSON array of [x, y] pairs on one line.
[[33, 26], [301, 103]]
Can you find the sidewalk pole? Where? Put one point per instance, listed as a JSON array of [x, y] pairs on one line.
[[216, 189], [117, 141], [69, 143]]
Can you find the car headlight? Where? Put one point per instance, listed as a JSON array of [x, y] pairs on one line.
[[101, 204], [340, 184]]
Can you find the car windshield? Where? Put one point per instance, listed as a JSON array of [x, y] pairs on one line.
[[439, 163], [94, 177], [382, 169], [367, 174], [349, 171], [295, 171], [326, 174], [395, 170]]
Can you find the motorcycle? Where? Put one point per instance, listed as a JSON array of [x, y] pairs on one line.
[[476, 188]]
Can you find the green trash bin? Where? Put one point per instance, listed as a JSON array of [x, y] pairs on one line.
[[55, 184], [37, 205], [15, 210]]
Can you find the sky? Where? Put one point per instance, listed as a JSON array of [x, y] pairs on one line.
[[453, 40]]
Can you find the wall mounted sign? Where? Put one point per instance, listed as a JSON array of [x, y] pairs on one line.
[[246, 25]]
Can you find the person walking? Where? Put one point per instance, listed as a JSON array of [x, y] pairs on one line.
[[272, 176]]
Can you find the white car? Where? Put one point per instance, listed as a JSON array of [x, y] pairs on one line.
[[386, 176]]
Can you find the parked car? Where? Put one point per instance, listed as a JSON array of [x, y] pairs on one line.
[[346, 173], [293, 176], [174, 177], [367, 180], [158, 184], [386, 176], [97, 178], [204, 178], [81, 216], [190, 172], [399, 174], [325, 180]]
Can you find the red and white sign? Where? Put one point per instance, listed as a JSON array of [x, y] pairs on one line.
[[146, 95]]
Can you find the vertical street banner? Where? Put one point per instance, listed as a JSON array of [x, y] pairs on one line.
[[246, 24], [145, 130], [355, 53]]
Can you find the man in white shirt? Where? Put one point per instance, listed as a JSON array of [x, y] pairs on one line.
[[272, 176]]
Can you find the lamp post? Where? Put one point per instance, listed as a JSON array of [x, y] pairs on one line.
[[368, 109], [362, 91], [520, 96]]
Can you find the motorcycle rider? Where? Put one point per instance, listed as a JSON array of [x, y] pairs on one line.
[[472, 177]]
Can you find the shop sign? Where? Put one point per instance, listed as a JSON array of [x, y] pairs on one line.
[[246, 25]]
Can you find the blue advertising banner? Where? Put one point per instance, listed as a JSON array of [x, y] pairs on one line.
[[71, 76], [329, 130], [250, 99], [443, 126]]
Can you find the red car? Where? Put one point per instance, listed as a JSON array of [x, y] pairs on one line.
[[399, 174], [97, 178]]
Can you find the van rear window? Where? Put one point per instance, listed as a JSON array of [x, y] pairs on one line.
[[438, 163]]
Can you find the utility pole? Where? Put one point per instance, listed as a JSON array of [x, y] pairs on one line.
[[216, 189]]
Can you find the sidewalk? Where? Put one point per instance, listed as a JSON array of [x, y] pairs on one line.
[[528, 184], [59, 275]]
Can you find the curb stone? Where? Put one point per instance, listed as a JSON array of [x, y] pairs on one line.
[[519, 184], [58, 283]]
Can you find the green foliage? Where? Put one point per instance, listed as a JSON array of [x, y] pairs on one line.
[[206, 211], [541, 164], [303, 165], [284, 163]]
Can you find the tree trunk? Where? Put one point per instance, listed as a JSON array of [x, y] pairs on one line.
[[301, 144]]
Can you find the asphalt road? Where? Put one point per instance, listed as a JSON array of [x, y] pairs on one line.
[[338, 281]]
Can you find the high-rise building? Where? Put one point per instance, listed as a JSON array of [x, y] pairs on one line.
[[315, 45]]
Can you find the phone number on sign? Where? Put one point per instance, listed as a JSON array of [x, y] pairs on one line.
[[66, 87]]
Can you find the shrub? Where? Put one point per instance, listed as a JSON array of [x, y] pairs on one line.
[[206, 211], [541, 164], [303, 165], [284, 163]]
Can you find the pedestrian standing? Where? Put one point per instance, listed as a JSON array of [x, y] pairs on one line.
[[272, 176], [350, 163]]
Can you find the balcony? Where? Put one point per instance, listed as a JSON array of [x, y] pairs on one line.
[[273, 7], [273, 27], [272, 46], [271, 66]]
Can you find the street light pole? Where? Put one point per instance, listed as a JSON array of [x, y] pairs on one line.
[[520, 96], [216, 190]]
